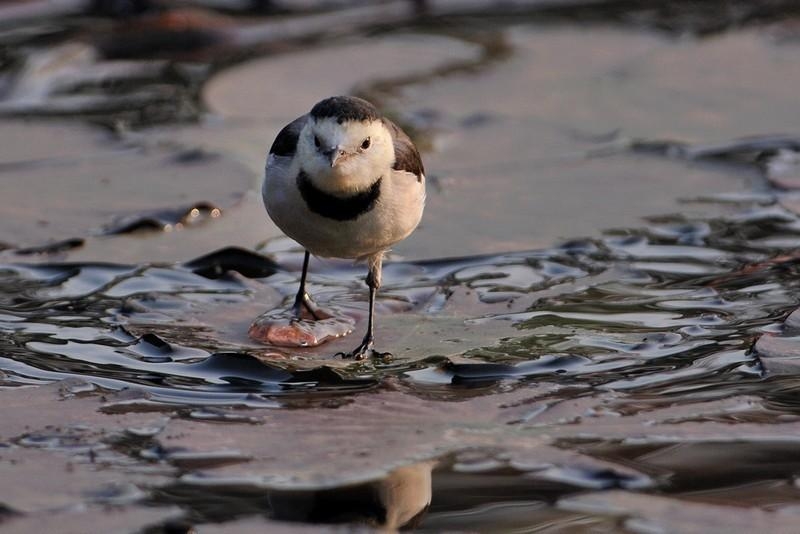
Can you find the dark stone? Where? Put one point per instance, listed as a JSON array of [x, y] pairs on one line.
[[245, 262]]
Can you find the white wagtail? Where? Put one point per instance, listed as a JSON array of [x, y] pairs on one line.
[[344, 182]]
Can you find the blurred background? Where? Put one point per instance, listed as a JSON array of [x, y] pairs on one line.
[[540, 120], [594, 329]]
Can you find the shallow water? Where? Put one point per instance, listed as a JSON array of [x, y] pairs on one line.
[[620, 331], [643, 379], [633, 312]]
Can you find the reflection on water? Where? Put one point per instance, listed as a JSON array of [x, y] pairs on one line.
[[398, 500], [660, 317]]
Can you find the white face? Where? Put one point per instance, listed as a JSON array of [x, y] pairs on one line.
[[345, 158]]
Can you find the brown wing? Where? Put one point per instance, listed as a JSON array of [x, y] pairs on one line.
[[406, 155]]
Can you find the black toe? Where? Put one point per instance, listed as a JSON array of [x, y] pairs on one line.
[[363, 351]]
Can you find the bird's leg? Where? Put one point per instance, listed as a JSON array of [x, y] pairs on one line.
[[365, 349], [303, 300], [304, 325]]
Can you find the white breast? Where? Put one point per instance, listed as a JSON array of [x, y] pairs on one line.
[[396, 214]]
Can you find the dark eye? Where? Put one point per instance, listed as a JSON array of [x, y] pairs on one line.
[[316, 141], [365, 144]]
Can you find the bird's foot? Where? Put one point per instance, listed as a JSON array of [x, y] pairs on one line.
[[364, 351], [305, 308]]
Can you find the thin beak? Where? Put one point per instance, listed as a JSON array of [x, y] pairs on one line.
[[334, 154]]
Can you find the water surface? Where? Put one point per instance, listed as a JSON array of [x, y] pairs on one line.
[[591, 329]]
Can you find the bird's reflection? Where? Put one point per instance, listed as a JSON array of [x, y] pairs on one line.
[[398, 501]]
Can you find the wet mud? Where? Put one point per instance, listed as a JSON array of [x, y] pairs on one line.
[[595, 329], [621, 363]]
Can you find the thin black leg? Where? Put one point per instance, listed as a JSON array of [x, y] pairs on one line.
[[303, 299], [365, 349], [369, 337], [301, 292]]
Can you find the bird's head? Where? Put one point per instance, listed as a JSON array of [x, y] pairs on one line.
[[345, 146]]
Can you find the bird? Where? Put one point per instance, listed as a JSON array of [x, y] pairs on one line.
[[344, 181]]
